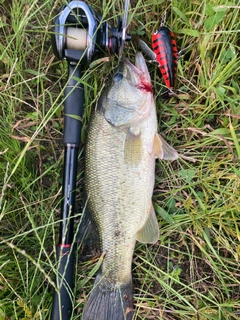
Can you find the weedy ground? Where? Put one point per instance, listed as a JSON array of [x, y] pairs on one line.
[[193, 271]]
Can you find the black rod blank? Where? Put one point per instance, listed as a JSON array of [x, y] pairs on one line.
[[73, 110]]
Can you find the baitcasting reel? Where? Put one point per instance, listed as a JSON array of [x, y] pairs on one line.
[[79, 33]]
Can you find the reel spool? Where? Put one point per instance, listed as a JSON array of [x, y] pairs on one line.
[[76, 39], [79, 33]]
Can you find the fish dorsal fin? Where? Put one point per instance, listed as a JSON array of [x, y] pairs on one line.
[[163, 150], [150, 231]]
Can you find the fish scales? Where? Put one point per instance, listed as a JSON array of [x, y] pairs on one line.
[[117, 194]]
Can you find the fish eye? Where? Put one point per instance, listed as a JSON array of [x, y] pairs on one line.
[[117, 77]]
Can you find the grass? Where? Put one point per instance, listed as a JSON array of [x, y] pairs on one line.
[[193, 271]]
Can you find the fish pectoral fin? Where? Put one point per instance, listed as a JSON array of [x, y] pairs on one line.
[[163, 150], [150, 231], [133, 148]]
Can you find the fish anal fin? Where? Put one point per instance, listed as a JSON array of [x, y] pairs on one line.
[[87, 232], [163, 150], [150, 231]]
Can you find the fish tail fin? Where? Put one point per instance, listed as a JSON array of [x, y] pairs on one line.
[[109, 301]]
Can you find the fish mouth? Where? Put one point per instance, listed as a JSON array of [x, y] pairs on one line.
[[137, 75]]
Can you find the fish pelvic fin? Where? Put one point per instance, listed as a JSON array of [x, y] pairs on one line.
[[163, 150], [109, 301], [150, 231]]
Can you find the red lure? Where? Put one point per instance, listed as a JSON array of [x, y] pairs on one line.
[[165, 48]]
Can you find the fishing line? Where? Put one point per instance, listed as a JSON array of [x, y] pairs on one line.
[[124, 27]]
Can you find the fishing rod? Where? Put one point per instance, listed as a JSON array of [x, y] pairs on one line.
[[80, 36]]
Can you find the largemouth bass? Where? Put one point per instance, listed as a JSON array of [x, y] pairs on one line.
[[121, 149]]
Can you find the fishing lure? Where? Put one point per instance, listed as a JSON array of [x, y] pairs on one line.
[[166, 54]]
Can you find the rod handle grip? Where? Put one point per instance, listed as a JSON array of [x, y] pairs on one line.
[[73, 106]]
